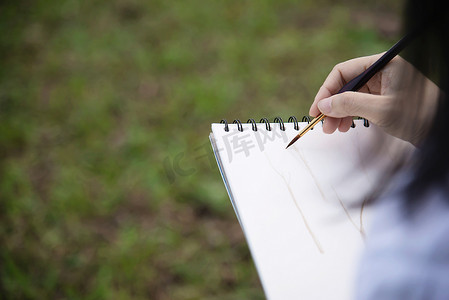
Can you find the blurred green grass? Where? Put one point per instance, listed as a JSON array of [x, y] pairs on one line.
[[108, 188]]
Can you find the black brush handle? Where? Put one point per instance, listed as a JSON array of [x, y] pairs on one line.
[[356, 83]]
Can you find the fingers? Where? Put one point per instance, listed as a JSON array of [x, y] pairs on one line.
[[350, 104], [331, 124], [339, 76], [345, 124], [346, 71], [322, 93], [339, 108]]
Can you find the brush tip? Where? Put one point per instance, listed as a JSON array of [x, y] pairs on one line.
[[294, 140]]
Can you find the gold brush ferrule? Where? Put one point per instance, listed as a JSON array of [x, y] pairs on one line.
[[311, 124]]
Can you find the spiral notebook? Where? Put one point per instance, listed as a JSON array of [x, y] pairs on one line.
[[301, 209]]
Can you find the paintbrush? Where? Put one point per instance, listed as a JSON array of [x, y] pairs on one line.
[[356, 83]]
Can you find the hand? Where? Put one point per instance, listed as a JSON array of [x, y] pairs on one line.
[[379, 101]]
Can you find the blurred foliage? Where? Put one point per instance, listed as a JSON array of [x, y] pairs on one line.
[[108, 187]]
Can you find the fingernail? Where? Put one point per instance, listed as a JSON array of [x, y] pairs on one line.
[[325, 105]]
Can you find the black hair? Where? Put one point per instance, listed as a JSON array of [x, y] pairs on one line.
[[429, 54]]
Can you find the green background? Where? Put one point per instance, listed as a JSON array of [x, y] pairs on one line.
[[108, 189]]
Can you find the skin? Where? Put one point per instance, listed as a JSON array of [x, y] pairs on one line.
[[379, 100]]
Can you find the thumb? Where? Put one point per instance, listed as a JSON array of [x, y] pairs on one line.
[[346, 104]]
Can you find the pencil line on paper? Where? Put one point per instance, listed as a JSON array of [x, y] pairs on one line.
[[306, 224], [315, 180], [362, 230], [315, 239], [345, 210]]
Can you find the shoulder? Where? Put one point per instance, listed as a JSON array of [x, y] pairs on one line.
[[407, 256]]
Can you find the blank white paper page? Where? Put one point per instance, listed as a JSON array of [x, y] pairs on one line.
[[295, 205]]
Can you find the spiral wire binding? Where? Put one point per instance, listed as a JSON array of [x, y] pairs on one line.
[[307, 119], [226, 124], [295, 122], [365, 122], [267, 123], [293, 119], [253, 124], [239, 125], [281, 123]]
